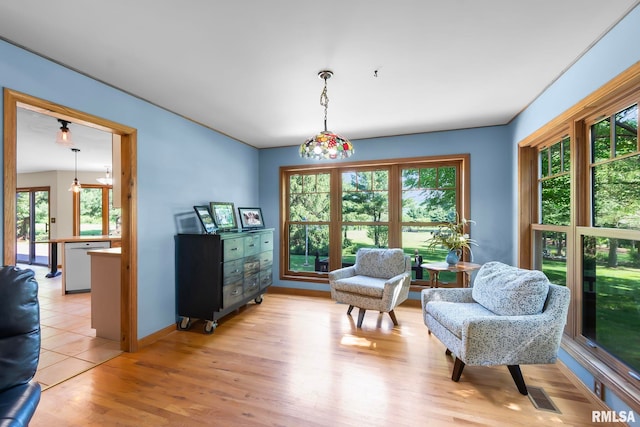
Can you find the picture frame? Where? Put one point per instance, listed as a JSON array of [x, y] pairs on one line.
[[206, 219], [224, 215], [251, 218]]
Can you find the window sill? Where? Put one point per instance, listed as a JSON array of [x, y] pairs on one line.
[[621, 386]]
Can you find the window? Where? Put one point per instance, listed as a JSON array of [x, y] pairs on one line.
[[430, 196], [555, 162], [611, 296], [308, 220], [554, 214], [94, 213], [615, 171], [580, 224], [610, 253], [333, 210], [365, 211]]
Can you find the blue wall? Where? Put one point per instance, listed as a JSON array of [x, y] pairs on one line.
[[492, 186], [180, 164]]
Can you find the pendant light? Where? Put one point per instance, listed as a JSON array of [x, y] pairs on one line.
[[326, 144], [107, 180], [63, 137], [75, 185]]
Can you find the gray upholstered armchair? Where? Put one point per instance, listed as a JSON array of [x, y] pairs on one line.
[[379, 280], [510, 317]]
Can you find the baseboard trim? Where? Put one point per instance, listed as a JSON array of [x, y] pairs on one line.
[[158, 335], [298, 292]]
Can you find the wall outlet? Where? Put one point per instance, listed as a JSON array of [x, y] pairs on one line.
[[598, 389]]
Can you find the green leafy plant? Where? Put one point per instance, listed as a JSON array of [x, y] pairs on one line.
[[452, 236]]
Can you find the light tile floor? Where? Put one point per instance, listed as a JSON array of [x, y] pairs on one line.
[[69, 344]]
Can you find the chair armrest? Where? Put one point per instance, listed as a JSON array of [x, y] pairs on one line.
[[530, 338], [396, 290], [342, 273], [447, 295]]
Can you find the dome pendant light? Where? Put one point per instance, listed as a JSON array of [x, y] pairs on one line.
[[75, 185], [326, 144]]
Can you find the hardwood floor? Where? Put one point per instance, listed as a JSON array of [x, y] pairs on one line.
[[69, 345], [300, 361]]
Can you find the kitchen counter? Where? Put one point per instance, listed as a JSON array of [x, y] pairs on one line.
[[72, 242]]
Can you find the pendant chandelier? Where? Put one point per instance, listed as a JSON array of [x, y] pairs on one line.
[[75, 185], [326, 144]]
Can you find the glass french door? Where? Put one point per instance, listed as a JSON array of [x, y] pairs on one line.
[[32, 222]]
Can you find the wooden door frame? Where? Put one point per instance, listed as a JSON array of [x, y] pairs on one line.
[[128, 176]]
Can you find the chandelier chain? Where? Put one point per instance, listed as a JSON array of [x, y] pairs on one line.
[[324, 101]]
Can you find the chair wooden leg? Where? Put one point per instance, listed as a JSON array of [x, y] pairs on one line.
[[349, 310], [516, 374], [458, 366], [393, 317], [360, 317]]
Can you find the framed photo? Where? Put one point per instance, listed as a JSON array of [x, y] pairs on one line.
[[206, 219], [251, 218], [224, 215]]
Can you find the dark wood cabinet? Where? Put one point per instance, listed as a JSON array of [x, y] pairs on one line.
[[218, 273]]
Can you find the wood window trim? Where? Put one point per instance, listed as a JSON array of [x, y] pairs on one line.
[[394, 165]]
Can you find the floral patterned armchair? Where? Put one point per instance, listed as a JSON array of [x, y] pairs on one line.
[[379, 280], [510, 317]]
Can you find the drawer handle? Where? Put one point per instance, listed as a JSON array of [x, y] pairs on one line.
[[251, 245], [234, 249]]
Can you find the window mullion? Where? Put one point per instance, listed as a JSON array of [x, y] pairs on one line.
[[335, 218]]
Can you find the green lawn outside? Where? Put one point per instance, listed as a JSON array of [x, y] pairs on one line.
[[617, 308], [359, 238]]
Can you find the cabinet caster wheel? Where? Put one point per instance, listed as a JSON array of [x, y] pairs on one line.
[[184, 323], [210, 327], [258, 300]]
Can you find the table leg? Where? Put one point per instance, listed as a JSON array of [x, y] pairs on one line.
[[54, 261], [433, 274]]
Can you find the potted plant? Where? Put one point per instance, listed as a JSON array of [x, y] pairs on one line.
[[452, 236]]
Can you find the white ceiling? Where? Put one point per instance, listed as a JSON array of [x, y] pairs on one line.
[[37, 150], [249, 68]]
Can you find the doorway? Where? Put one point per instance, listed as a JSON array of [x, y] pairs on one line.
[[126, 137], [32, 222]]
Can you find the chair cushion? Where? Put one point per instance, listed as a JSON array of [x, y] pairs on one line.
[[381, 263], [361, 285], [510, 291], [452, 315]]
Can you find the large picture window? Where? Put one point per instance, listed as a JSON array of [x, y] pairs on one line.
[[580, 209], [332, 211]]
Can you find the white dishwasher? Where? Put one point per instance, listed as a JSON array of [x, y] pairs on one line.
[[77, 265]]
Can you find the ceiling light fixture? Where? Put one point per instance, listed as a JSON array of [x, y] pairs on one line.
[[75, 185], [107, 180], [63, 137], [326, 145]]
